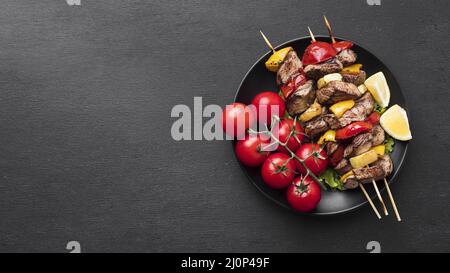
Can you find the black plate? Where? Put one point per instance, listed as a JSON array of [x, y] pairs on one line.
[[258, 79]]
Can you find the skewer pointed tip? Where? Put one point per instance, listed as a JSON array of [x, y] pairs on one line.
[[311, 34], [330, 31], [267, 41]]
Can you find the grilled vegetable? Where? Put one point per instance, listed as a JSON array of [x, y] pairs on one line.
[[313, 111], [379, 149], [353, 129], [352, 69], [341, 107], [277, 58], [364, 159], [329, 136]]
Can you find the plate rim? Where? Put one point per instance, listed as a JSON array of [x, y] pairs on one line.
[[373, 196]]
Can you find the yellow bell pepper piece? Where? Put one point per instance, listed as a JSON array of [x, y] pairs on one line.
[[364, 159], [352, 69], [313, 111], [329, 136], [341, 107], [345, 176], [380, 149], [277, 58]]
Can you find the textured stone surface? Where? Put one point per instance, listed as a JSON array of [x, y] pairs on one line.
[[86, 153]]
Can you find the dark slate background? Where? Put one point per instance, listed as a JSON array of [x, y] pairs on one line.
[[86, 152]]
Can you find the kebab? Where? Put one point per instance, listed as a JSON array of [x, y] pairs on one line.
[[340, 107], [361, 143]]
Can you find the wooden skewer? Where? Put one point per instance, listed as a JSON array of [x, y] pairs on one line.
[[267, 41], [330, 31], [370, 201], [312, 35], [379, 197], [392, 201]]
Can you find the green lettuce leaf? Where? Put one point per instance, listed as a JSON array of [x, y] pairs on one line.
[[389, 144], [379, 109], [331, 178]]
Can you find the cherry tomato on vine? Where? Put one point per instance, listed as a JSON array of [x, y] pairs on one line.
[[286, 132], [250, 151], [303, 194], [278, 171], [314, 157], [234, 114], [266, 102]]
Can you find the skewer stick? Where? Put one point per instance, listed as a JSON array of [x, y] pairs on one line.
[[380, 198], [330, 31], [370, 201], [392, 201], [267, 41], [312, 35]]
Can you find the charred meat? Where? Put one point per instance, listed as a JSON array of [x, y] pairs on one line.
[[356, 79], [337, 91], [317, 71], [321, 123], [378, 135], [290, 68], [347, 57], [363, 107], [378, 170], [360, 144], [301, 99], [316, 126], [343, 167]]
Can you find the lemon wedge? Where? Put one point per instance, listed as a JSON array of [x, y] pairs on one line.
[[395, 122], [378, 87]]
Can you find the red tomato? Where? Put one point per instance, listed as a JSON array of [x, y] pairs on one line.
[[278, 171], [265, 103], [315, 158], [250, 151], [286, 133], [234, 114], [304, 194]]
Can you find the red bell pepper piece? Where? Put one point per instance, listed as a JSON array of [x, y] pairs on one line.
[[374, 118], [293, 85], [318, 52], [337, 156], [342, 45], [353, 129]]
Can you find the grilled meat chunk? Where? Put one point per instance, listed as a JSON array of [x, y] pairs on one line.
[[366, 174], [351, 183], [347, 57], [363, 107], [321, 123], [301, 99], [378, 135], [316, 127], [331, 147], [378, 170], [356, 79], [343, 167], [337, 91], [290, 68], [317, 71], [386, 164], [360, 144]]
